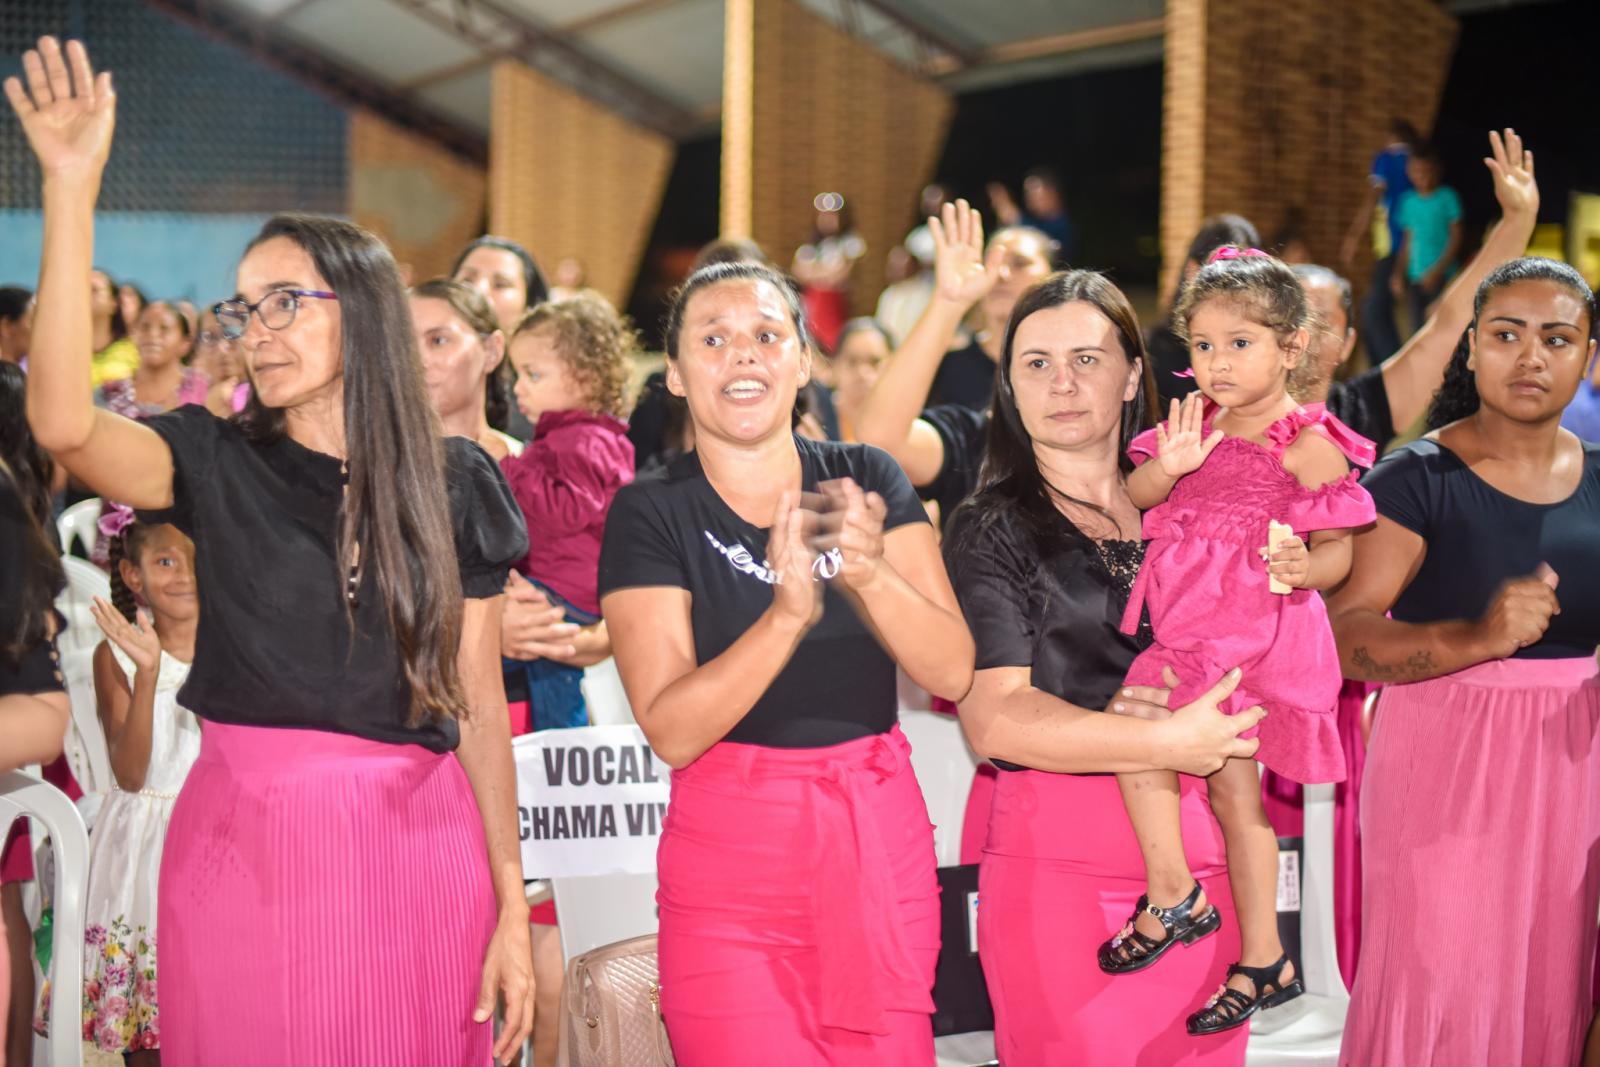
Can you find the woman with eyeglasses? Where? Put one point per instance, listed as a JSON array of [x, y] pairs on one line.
[[352, 811]]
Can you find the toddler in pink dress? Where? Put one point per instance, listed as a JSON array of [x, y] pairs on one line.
[[1233, 458]]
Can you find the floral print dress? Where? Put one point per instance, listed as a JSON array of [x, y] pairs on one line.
[[120, 1001]]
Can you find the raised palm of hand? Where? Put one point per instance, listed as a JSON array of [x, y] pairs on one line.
[[1512, 167], [961, 273], [1182, 444], [67, 112]]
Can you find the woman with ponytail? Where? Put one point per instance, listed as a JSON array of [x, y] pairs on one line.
[[352, 808], [1475, 599]]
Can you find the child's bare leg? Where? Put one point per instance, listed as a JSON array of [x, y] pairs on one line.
[[1252, 866], [1151, 798]]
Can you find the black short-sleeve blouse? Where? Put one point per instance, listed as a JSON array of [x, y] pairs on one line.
[[1478, 537], [675, 530], [273, 647], [1054, 607]]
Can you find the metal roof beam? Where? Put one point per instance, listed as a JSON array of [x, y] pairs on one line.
[[962, 53], [551, 53], [615, 14]]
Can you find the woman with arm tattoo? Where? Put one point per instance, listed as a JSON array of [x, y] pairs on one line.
[[1474, 597]]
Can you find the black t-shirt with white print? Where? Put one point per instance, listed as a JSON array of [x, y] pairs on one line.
[[674, 530]]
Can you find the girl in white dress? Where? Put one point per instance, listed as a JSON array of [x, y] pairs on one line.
[[138, 670]]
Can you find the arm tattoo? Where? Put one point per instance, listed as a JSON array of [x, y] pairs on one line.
[[1417, 666]]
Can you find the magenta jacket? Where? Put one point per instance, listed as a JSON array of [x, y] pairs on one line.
[[564, 482]]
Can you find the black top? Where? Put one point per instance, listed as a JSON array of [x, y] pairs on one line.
[[1362, 403], [35, 669], [961, 430], [816, 399], [273, 648], [1055, 607], [674, 530], [1478, 537], [965, 377]]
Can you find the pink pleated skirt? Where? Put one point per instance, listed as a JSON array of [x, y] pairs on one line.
[[1061, 872], [799, 908], [324, 902], [1480, 820]]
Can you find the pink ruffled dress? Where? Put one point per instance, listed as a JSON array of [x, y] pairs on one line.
[[1205, 585]]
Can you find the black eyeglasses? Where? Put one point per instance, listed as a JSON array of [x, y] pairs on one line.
[[276, 310]]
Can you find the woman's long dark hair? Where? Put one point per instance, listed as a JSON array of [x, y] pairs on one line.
[[1457, 397], [31, 468], [395, 508], [1011, 482], [497, 398], [25, 470]]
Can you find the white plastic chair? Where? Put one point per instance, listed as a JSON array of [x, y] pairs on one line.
[[86, 750], [1307, 1031], [944, 766], [22, 795], [603, 693], [597, 911], [79, 522]]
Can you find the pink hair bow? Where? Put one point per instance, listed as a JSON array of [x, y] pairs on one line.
[[115, 518], [1235, 252]]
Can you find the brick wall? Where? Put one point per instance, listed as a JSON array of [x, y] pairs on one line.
[[568, 177], [807, 108], [1277, 106], [425, 202]]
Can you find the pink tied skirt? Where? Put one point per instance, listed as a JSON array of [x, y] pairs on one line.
[[799, 905]]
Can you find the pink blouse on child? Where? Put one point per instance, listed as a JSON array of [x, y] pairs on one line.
[[1205, 585]]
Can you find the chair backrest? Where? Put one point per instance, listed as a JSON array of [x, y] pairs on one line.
[[1319, 950], [603, 909], [80, 522], [22, 795], [604, 695], [86, 750], [944, 766]]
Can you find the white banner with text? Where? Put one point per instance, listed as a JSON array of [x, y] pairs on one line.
[[590, 801]]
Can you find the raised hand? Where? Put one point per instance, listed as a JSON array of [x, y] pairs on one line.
[[138, 638], [796, 594], [854, 526], [1512, 167], [961, 273], [1182, 444], [67, 112]]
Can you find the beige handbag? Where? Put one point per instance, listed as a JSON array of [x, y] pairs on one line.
[[613, 998]]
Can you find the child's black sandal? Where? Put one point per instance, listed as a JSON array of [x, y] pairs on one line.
[[1231, 1008], [1132, 950]]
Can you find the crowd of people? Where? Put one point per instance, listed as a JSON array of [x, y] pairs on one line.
[[359, 534]]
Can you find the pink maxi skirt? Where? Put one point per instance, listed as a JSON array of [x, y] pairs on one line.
[[1480, 817], [799, 908], [1061, 872], [324, 902]]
